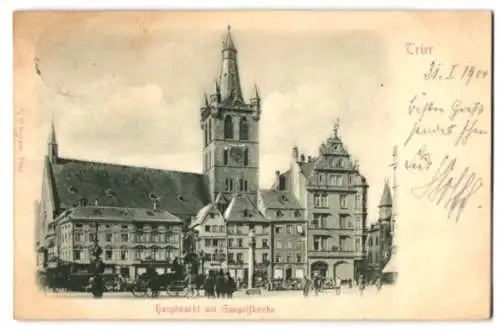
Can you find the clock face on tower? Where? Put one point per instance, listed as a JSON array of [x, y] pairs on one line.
[[236, 154]]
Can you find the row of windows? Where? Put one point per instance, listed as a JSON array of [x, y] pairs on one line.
[[244, 128], [243, 243], [137, 227], [242, 185], [331, 179], [229, 130], [237, 229], [123, 237], [321, 200], [321, 243], [125, 254], [264, 258], [326, 221]]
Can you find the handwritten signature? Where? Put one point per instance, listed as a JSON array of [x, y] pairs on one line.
[[447, 191]]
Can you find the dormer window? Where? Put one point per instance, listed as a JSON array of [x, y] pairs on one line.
[[109, 193], [150, 213], [181, 198], [245, 213], [279, 214], [98, 212], [297, 213], [283, 199], [72, 189], [83, 202]]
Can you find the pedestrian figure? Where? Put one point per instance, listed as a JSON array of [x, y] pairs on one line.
[[306, 286], [361, 285], [220, 284], [191, 284], [153, 282], [230, 285], [210, 285], [316, 284]]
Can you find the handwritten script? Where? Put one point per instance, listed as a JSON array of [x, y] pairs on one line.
[[449, 189], [453, 123]]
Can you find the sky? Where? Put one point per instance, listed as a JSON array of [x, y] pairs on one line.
[[131, 94]]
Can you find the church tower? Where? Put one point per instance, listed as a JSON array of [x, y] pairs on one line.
[[385, 204], [230, 128]]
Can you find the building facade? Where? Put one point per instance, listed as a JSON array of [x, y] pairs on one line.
[[379, 237], [333, 193], [287, 236], [313, 219]]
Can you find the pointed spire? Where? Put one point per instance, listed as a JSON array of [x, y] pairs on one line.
[[230, 88], [386, 199], [52, 135], [53, 152], [228, 40], [256, 92]]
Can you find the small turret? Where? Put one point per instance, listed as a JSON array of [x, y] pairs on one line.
[[255, 103]]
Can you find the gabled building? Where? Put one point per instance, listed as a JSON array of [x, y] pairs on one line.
[[333, 193]]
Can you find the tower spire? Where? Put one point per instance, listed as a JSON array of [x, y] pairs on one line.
[[229, 76], [52, 143]]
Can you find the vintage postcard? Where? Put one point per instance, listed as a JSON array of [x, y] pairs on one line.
[[276, 165]]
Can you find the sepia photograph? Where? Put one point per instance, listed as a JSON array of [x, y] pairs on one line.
[[271, 165]]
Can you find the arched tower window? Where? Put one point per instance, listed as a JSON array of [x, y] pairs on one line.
[[226, 156], [245, 157], [228, 127], [244, 129]]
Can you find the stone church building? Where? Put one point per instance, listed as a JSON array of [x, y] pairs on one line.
[[313, 218]]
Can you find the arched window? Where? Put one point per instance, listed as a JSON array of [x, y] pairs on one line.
[[228, 127], [226, 156], [245, 157], [244, 129]]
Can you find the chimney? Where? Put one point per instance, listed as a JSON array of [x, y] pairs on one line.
[[96, 202], [277, 180], [302, 158], [295, 153], [309, 158]]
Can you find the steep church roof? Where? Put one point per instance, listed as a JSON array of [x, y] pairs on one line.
[[127, 186], [386, 199]]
